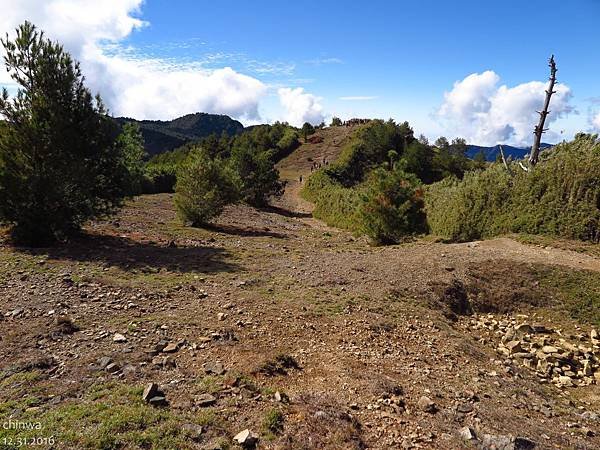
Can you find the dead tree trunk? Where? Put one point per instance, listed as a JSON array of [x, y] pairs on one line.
[[505, 161], [539, 129]]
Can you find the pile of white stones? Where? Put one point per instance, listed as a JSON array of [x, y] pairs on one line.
[[566, 361]]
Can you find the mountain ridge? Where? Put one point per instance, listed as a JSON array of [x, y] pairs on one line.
[[164, 135], [492, 153]]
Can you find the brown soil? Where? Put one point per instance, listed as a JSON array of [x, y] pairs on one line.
[[362, 324]]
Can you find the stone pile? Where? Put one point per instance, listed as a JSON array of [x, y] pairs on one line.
[[566, 361]]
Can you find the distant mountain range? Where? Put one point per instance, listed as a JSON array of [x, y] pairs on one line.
[[162, 136], [491, 153]]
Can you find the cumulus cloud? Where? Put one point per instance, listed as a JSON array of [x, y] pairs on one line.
[[485, 113], [300, 106], [145, 88]]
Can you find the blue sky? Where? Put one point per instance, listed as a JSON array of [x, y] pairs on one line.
[[377, 59]]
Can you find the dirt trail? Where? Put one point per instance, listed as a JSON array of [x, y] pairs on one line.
[[323, 146], [329, 143], [270, 301]]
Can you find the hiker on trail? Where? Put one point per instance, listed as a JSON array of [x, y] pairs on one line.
[[300, 178]]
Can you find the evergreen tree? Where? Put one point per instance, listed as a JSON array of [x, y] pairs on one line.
[[204, 187], [131, 143], [256, 175], [307, 130], [458, 147], [392, 206], [442, 143], [336, 122], [60, 164]]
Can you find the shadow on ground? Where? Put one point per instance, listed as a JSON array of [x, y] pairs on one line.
[[244, 232], [129, 254], [285, 212]]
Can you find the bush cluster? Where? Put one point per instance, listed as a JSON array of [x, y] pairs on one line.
[[560, 196], [375, 186], [260, 146], [239, 169]]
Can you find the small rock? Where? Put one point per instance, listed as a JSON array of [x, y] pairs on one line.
[[467, 434], [170, 348], [281, 397], [514, 347], [522, 443], [246, 438], [113, 368], [564, 380], [549, 349], [588, 415], [118, 337], [425, 404], [129, 369], [215, 368], [464, 408], [221, 316], [193, 430], [104, 362], [588, 432], [150, 391], [524, 329], [205, 400], [160, 346]]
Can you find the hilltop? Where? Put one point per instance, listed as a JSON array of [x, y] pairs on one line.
[[162, 136]]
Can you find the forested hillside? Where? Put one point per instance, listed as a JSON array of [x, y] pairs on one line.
[[161, 136]]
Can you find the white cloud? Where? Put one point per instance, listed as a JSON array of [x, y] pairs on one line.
[[322, 61], [358, 98], [596, 122], [144, 88], [300, 106], [487, 114]]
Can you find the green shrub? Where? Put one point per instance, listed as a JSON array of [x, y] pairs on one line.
[[204, 187], [307, 130], [273, 421], [286, 144], [256, 175], [131, 142], [358, 194], [369, 148], [392, 206], [560, 197], [469, 209], [336, 205], [161, 170]]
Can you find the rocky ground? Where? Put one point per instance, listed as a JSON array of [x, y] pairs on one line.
[[273, 330]]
